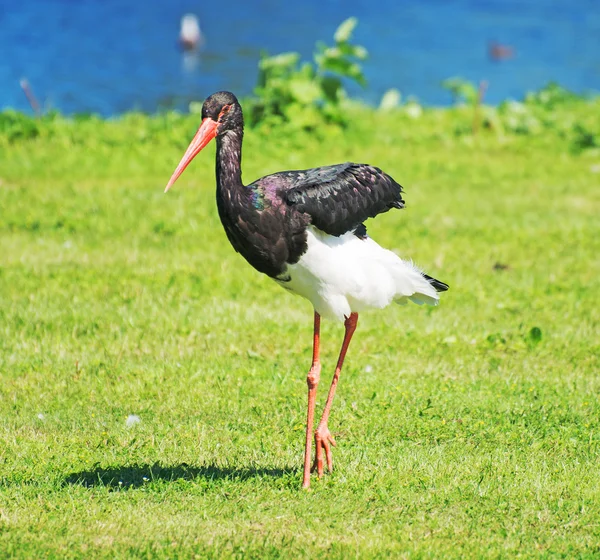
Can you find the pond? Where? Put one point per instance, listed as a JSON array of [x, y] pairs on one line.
[[110, 56]]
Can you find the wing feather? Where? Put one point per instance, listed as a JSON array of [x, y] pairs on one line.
[[339, 198]]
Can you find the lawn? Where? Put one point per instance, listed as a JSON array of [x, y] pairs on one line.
[[153, 385]]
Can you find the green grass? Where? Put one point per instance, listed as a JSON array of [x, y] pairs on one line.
[[461, 431]]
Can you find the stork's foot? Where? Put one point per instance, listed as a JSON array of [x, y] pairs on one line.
[[323, 441]]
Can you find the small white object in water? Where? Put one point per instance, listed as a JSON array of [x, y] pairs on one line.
[[132, 419], [190, 35]]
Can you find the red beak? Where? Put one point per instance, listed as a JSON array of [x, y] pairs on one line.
[[206, 132]]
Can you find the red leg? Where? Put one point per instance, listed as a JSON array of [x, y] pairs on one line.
[[323, 438], [312, 379]]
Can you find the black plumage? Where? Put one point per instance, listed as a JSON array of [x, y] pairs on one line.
[[338, 198], [267, 238], [437, 284]]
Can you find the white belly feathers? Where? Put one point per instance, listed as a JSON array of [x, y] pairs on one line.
[[343, 274]]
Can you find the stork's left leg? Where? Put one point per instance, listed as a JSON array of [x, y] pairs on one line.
[[312, 380], [323, 438]]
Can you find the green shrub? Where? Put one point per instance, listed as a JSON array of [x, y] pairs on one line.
[[17, 126], [304, 93]]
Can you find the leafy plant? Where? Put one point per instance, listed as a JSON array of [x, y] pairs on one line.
[[552, 109], [390, 100], [17, 126], [463, 90], [550, 96], [519, 118], [305, 93]]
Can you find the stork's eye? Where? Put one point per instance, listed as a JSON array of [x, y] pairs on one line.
[[224, 111]]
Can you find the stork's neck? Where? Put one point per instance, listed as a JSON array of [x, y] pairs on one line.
[[229, 160]]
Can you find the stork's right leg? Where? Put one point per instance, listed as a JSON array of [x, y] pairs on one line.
[[312, 380], [323, 438]]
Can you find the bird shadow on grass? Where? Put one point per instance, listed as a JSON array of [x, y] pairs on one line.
[[135, 476]]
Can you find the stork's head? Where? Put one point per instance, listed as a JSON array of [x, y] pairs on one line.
[[221, 112]]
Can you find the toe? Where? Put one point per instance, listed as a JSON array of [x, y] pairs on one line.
[[323, 440], [329, 457], [318, 462]]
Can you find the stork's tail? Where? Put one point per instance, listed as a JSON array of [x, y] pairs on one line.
[[414, 285], [437, 284]]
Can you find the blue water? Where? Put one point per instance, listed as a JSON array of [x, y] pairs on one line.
[[108, 56]]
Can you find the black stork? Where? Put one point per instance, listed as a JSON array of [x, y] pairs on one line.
[[305, 230]]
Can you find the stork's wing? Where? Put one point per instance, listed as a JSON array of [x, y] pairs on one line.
[[339, 198]]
